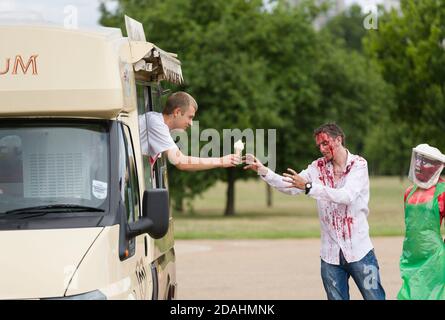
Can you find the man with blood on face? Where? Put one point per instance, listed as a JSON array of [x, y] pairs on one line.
[[339, 182], [422, 263]]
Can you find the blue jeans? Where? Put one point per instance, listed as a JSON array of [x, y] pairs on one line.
[[365, 273]]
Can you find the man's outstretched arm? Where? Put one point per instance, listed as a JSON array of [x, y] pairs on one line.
[[274, 180], [188, 163]]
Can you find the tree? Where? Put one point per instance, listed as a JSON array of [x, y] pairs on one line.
[[409, 47], [327, 82], [348, 27], [353, 94], [258, 68], [216, 41]]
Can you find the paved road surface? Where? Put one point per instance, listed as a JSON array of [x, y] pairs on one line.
[[268, 269]]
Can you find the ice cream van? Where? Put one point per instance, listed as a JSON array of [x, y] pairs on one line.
[[83, 215]]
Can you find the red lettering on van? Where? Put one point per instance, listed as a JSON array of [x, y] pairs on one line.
[[18, 62]]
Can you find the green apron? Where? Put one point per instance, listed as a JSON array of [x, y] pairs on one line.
[[422, 264]]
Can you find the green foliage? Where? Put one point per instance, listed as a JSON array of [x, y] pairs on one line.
[[338, 85], [410, 50], [348, 27], [258, 68], [388, 147], [217, 42], [353, 94]]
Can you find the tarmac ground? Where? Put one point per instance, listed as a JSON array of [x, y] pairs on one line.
[[268, 269]]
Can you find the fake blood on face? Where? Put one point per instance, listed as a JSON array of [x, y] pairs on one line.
[[325, 145], [424, 173]]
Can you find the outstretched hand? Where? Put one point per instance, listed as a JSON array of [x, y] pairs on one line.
[[254, 164], [295, 180], [231, 160]]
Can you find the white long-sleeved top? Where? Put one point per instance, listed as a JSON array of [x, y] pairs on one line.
[[342, 206]]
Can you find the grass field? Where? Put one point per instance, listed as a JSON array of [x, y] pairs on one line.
[[289, 217]]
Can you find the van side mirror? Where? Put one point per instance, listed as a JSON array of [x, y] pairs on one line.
[[155, 215], [139, 227], [155, 206]]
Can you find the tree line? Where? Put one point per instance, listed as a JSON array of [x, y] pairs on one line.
[[258, 66]]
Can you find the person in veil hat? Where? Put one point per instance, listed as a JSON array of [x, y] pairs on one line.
[[422, 263]]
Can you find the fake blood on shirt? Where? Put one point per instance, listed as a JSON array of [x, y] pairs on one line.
[[341, 222]]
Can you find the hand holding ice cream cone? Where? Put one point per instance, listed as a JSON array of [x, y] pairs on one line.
[[233, 160], [229, 161]]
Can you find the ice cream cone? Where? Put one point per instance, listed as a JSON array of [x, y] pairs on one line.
[[239, 147]]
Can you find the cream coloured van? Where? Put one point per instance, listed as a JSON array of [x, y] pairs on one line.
[[82, 213]]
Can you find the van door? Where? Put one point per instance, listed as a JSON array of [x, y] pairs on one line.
[[136, 256], [163, 267]]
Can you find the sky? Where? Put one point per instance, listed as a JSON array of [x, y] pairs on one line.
[[54, 10], [58, 11]]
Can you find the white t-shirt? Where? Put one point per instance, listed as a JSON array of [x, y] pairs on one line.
[[159, 138]]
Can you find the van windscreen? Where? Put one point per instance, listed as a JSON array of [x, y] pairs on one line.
[[53, 165]]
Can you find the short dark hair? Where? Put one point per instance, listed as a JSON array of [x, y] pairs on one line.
[[181, 100], [333, 130]]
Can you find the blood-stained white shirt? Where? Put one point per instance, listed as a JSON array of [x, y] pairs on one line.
[[342, 206]]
